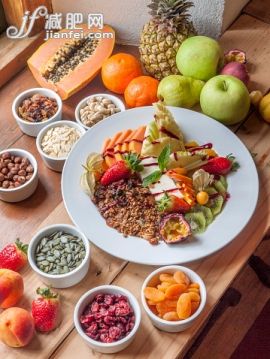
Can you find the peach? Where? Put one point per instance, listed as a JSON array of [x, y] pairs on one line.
[[16, 327], [11, 288]]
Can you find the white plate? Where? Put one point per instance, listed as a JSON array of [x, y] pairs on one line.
[[243, 188]]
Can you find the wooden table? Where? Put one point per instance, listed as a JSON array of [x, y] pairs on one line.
[[46, 207]]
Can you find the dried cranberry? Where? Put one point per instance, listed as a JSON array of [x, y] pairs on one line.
[[94, 307], [105, 338], [108, 299], [99, 298], [114, 333]]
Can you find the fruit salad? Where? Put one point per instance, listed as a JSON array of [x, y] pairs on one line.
[[153, 183]]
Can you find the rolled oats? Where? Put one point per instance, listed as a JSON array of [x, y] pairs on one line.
[[58, 141]]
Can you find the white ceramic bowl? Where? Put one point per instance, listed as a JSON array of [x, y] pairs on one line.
[[82, 104], [30, 128], [28, 188], [60, 280], [54, 163], [181, 325], [107, 347]]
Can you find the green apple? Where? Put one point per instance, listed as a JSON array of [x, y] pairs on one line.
[[180, 91], [199, 57], [226, 99]]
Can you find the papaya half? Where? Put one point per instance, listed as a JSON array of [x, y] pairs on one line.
[[65, 65]]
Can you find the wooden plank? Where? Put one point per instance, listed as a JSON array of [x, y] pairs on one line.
[[259, 9], [14, 54], [231, 327], [251, 36], [218, 270], [103, 268]]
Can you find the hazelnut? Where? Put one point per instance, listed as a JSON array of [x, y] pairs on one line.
[[17, 184], [30, 169], [5, 184], [14, 171], [4, 171], [22, 173], [10, 165], [29, 176], [2, 177], [25, 161], [12, 158], [21, 179], [9, 176], [17, 159], [23, 166], [17, 166], [15, 178], [7, 161], [6, 155]]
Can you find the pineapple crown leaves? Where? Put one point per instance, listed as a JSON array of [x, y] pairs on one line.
[[163, 203], [170, 9], [133, 162], [21, 246], [47, 293], [235, 164]]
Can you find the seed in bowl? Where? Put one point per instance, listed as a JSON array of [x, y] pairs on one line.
[[108, 318], [37, 108], [14, 170], [59, 253], [96, 109], [174, 297], [58, 141]]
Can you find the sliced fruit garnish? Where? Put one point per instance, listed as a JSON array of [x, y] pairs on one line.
[[171, 203], [216, 204], [94, 168], [174, 228], [196, 221]]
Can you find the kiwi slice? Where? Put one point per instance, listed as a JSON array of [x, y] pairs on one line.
[[211, 190], [223, 180], [196, 221], [220, 187], [215, 204], [207, 214]]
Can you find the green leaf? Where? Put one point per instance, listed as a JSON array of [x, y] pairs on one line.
[[152, 178], [164, 157], [133, 162]]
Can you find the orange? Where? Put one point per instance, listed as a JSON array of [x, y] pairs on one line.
[[119, 70], [141, 91]]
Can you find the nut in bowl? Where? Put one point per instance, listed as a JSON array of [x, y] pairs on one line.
[[35, 108], [114, 306], [18, 175], [95, 108], [55, 141], [173, 298], [60, 255]]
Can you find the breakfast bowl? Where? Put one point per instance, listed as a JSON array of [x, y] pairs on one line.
[[155, 313], [20, 184], [47, 142], [33, 128], [88, 116], [114, 339], [60, 255]]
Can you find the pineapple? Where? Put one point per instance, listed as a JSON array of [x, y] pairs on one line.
[[162, 36]]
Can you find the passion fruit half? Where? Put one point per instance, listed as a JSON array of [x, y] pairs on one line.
[[235, 55], [174, 228]]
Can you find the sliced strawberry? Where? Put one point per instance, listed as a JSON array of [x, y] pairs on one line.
[[14, 256], [122, 169], [46, 310], [221, 165], [171, 203]]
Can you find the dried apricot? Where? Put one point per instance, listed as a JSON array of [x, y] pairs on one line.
[[194, 290], [181, 277], [174, 291], [194, 297], [165, 277], [163, 286], [154, 294], [194, 285], [166, 306], [194, 307], [150, 302], [153, 309], [171, 316], [184, 306]]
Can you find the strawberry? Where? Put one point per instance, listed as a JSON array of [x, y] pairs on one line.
[[122, 169], [14, 256], [46, 310], [171, 203], [221, 165]]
